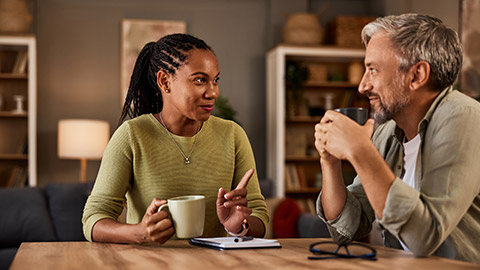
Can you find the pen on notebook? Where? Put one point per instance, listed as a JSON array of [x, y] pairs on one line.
[[243, 239]]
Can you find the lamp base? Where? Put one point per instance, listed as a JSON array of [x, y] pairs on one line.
[[83, 170]]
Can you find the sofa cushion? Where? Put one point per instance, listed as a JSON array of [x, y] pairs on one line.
[[24, 217], [311, 226], [66, 202], [6, 257]]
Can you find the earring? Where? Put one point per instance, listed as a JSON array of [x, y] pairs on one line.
[[167, 90]]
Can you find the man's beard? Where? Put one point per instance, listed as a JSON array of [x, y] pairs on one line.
[[398, 100]]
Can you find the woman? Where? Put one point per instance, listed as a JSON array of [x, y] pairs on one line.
[[170, 147]]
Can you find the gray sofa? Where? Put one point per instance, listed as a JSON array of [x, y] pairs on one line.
[[34, 214]]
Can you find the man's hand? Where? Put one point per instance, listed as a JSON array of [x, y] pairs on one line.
[[339, 137]]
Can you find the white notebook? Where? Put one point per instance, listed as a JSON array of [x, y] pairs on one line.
[[235, 242]]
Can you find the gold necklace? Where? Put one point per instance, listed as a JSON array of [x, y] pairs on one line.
[[186, 158]]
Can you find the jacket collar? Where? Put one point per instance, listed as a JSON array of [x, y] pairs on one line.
[[422, 126]]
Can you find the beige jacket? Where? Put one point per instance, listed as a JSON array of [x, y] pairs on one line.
[[441, 215]]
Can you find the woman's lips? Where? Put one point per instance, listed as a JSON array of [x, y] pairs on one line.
[[207, 108]]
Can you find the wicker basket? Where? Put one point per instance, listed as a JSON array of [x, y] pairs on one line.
[[317, 73], [302, 29], [14, 16], [345, 31]]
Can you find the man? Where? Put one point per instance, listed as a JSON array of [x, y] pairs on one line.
[[419, 175]]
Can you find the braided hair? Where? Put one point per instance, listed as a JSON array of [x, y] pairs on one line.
[[168, 53]]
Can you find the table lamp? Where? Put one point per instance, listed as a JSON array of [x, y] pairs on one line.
[[82, 139]]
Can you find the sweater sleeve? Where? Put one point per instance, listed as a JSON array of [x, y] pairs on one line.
[[244, 160], [108, 194]]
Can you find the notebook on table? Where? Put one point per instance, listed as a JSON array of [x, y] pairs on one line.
[[223, 243]]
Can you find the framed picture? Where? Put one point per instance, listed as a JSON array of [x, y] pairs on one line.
[[137, 33], [470, 36]]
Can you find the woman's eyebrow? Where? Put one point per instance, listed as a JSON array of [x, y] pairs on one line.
[[203, 73]]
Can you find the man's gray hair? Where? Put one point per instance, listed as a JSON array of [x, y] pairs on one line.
[[422, 38]]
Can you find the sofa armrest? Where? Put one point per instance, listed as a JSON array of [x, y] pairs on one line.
[[66, 202], [24, 217]]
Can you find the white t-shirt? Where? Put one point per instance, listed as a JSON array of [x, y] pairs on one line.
[[410, 161]]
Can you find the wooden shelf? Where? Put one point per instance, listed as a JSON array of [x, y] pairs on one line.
[[302, 158], [18, 157], [18, 131], [289, 135], [310, 190], [14, 76], [330, 84], [7, 114], [304, 119]]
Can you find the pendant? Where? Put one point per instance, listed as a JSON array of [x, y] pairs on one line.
[[187, 161]]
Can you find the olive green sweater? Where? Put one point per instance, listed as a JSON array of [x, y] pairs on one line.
[[141, 162]]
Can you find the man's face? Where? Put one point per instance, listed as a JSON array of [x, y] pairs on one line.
[[382, 82]]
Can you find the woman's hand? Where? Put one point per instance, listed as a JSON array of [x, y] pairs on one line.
[[155, 226], [232, 206]]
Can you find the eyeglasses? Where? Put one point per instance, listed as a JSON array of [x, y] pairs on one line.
[[330, 250]]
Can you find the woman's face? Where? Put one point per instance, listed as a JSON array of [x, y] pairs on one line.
[[194, 87]]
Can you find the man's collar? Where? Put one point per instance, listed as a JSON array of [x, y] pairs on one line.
[[428, 116]]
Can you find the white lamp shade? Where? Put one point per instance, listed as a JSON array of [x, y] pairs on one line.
[[82, 138]]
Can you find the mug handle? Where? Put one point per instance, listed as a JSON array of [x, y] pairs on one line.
[[162, 206]]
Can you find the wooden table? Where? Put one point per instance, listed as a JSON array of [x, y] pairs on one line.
[[178, 254]]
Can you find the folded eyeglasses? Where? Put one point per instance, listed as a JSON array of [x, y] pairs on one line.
[[330, 250]]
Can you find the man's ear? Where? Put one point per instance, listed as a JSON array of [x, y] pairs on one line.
[[163, 80], [420, 75]]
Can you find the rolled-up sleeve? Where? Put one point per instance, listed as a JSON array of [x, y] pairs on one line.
[[355, 219]]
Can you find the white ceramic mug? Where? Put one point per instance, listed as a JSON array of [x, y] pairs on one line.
[[188, 215]]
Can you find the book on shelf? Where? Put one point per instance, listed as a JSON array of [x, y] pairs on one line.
[[311, 206], [292, 170], [18, 177], [23, 145], [347, 99], [288, 180], [20, 64], [294, 177], [306, 205], [301, 176], [12, 176], [301, 205]]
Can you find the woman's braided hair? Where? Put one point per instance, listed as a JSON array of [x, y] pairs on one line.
[[168, 53]]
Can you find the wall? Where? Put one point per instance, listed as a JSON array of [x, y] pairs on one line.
[[446, 10], [79, 64], [79, 57]]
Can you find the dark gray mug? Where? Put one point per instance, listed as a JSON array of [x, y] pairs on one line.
[[359, 115]]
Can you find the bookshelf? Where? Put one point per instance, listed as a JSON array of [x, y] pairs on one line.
[[302, 82], [18, 162]]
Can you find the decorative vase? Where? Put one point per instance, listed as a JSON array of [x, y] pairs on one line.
[[14, 16], [303, 29]]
